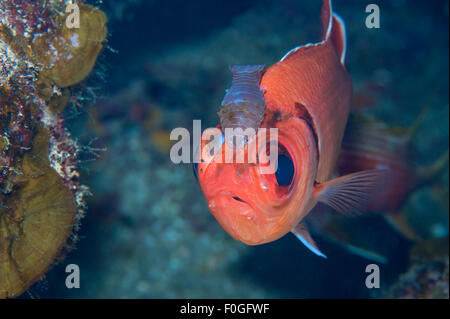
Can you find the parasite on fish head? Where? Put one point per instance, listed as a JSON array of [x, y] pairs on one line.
[[242, 108]]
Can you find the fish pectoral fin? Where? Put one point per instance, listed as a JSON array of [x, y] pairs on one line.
[[350, 194], [302, 233]]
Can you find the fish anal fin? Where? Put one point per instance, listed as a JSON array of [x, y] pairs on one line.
[[400, 224], [350, 194], [302, 233]]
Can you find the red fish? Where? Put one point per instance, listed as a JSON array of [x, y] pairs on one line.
[[306, 96], [370, 144]]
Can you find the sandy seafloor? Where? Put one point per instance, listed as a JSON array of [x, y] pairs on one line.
[[148, 232]]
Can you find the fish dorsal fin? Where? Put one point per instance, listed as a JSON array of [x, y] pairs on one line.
[[333, 29], [326, 17], [338, 37], [302, 233]]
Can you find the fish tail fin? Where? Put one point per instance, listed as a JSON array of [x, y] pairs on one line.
[[333, 28], [428, 174], [414, 127]]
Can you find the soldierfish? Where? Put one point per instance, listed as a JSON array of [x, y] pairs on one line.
[[306, 96]]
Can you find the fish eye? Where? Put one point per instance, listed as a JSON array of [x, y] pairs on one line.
[[285, 170]]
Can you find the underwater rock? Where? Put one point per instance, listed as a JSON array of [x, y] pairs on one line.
[[428, 275], [41, 198]]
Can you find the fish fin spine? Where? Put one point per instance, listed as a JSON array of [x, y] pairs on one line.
[[338, 37], [302, 233], [333, 29]]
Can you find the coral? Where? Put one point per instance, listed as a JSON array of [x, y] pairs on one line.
[[74, 52], [36, 222], [41, 197], [425, 280], [428, 275]]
